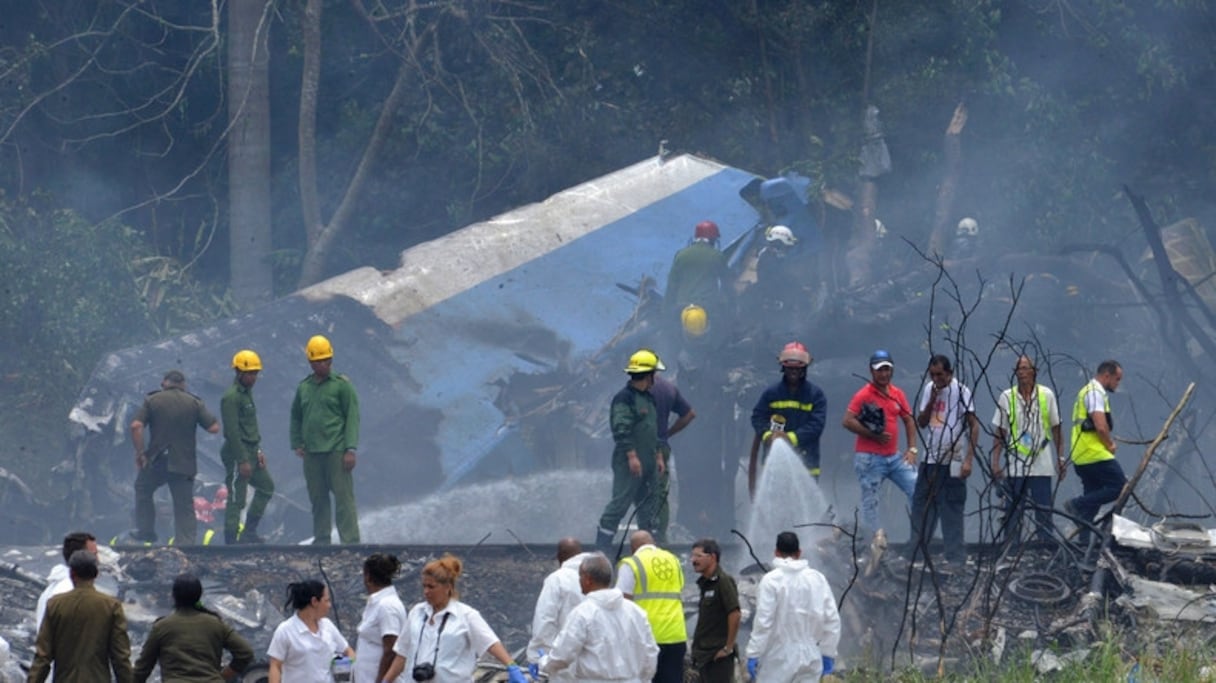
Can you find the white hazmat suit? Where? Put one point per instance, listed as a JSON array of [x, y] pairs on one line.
[[606, 638], [796, 624], [559, 595]]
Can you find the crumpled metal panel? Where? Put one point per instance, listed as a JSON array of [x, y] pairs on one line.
[[428, 343]]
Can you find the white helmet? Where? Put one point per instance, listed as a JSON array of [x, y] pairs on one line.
[[879, 228], [968, 227], [782, 234]]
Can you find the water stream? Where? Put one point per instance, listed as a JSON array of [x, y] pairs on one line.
[[540, 508], [787, 498]]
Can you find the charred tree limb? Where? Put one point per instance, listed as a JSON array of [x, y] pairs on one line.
[[952, 147], [1148, 452], [1163, 320], [1172, 281]]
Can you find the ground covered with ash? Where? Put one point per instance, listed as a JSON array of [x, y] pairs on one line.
[[247, 586], [897, 610]]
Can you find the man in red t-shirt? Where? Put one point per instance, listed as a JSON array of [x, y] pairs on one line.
[[873, 415]]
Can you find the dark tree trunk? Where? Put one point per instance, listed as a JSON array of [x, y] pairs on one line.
[[251, 278]]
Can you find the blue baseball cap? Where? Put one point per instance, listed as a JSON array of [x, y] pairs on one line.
[[881, 359]]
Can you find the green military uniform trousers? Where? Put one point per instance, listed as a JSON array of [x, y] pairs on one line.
[[324, 475], [663, 515], [642, 492], [238, 489]]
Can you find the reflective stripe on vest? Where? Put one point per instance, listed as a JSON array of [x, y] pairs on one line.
[[796, 405], [658, 582], [1013, 422], [1087, 448]]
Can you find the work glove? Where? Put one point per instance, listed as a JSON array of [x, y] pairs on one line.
[[752, 663], [514, 675], [829, 664]]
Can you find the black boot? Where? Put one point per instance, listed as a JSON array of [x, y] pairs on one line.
[[230, 537], [603, 540], [250, 533]]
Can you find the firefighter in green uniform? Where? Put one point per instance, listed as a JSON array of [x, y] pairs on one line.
[[172, 413], [244, 461], [325, 433], [189, 643], [637, 462]]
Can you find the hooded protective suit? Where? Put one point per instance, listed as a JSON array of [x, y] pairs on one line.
[[559, 595], [796, 624], [606, 638]]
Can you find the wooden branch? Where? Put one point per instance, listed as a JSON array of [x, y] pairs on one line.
[[314, 260], [1152, 448], [953, 148]]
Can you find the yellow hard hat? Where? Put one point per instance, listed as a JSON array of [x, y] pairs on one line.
[[319, 348], [644, 360], [246, 361], [695, 320]]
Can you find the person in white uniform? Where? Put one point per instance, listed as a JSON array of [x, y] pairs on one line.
[[59, 581], [606, 637], [443, 636], [303, 647], [796, 629], [559, 595], [383, 620]]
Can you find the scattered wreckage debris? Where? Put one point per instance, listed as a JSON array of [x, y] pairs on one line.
[[934, 616], [247, 587]]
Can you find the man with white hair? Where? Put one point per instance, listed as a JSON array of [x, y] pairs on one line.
[[606, 637]]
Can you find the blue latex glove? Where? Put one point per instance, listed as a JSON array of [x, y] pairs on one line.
[[514, 675], [829, 664], [534, 667], [752, 663]]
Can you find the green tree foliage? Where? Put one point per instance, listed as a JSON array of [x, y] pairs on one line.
[[74, 290]]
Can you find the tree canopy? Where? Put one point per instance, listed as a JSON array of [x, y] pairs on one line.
[[115, 125]]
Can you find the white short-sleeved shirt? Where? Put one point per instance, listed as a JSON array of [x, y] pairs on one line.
[[946, 436], [466, 636], [1095, 398], [383, 616], [625, 580], [306, 656], [1040, 462]]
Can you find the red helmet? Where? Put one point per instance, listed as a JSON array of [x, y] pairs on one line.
[[706, 230], [794, 354]]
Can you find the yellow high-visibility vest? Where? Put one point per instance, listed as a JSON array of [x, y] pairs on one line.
[[1087, 448], [658, 582], [1015, 437]]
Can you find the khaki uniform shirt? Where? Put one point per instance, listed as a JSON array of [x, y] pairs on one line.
[[173, 414], [189, 645], [84, 634]]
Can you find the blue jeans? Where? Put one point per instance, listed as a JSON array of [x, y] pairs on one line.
[[939, 497], [871, 469], [1021, 494], [1101, 483]]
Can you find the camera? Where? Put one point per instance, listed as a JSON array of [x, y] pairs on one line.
[[872, 418], [423, 672]]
